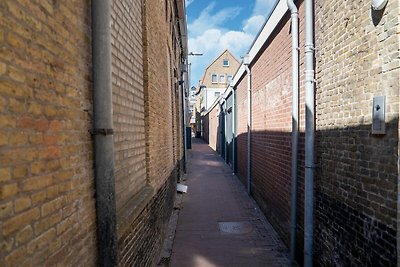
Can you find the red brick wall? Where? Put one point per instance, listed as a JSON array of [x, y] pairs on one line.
[[212, 128], [241, 129], [47, 205], [271, 128]]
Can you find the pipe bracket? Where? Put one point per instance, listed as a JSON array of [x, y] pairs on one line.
[[101, 131]]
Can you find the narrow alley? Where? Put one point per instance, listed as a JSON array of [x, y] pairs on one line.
[[219, 224], [280, 116]]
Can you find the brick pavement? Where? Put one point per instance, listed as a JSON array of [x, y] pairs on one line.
[[215, 197]]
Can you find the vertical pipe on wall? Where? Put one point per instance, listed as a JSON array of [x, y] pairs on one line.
[[309, 135], [233, 128], [225, 143], [246, 63], [184, 86], [103, 134], [295, 125]]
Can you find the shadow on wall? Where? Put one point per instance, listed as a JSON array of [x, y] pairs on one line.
[[355, 191]]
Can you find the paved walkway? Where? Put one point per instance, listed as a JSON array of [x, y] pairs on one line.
[[219, 224]]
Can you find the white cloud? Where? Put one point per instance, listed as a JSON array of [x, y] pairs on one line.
[[263, 7], [208, 20], [208, 34], [211, 43], [254, 24], [188, 2]]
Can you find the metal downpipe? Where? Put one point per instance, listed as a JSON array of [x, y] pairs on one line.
[[248, 125], [233, 129], [103, 134], [295, 125], [225, 143], [309, 134]]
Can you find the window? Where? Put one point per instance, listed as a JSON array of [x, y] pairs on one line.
[[214, 78], [229, 78], [217, 94], [226, 63], [222, 78]]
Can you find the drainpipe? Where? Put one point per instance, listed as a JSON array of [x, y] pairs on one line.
[[246, 63], [233, 128], [309, 135], [295, 125], [103, 135], [184, 85], [225, 143]]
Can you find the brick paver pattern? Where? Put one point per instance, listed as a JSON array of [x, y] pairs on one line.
[[216, 196]]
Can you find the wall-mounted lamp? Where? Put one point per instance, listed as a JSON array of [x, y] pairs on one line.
[[378, 4]]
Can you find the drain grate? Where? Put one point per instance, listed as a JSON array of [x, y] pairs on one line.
[[235, 228]]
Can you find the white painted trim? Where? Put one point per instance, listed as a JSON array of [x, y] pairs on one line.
[[270, 25]]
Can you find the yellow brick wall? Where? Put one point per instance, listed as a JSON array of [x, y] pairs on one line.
[[128, 100], [47, 212], [163, 104], [357, 179]]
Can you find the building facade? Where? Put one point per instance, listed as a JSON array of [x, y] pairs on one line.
[[216, 78], [48, 192], [356, 184]]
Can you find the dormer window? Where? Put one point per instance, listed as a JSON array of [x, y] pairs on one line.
[[226, 63]]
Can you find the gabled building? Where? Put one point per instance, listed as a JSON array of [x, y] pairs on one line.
[[216, 78]]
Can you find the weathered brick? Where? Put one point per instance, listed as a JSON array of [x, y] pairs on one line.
[[37, 182], [15, 257], [24, 235], [20, 172], [8, 190], [47, 6], [34, 124], [19, 221], [39, 242], [5, 174], [13, 90], [22, 203], [6, 210], [15, 41], [39, 197], [7, 121], [3, 68], [16, 106], [3, 139], [35, 108], [53, 205], [47, 222], [16, 74], [18, 138]]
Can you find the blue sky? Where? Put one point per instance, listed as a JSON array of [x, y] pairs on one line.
[[215, 25]]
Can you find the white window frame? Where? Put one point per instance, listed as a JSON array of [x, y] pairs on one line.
[[216, 78], [223, 80], [223, 62]]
